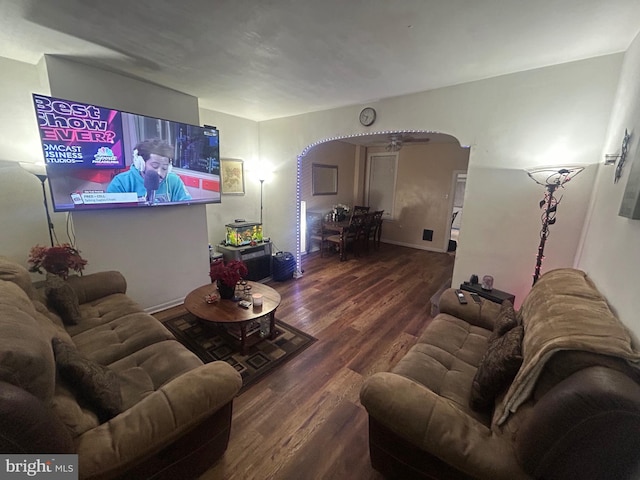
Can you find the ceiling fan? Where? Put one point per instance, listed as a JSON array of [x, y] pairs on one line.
[[396, 140]]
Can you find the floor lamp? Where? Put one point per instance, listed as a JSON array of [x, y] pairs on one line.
[[261, 186], [39, 170], [551, 178]]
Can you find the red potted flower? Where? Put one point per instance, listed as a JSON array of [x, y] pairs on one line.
[[227, 275], [58, 260]]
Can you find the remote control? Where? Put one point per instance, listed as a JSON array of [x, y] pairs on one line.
[[461, 298], [475, 297], [244, 304]]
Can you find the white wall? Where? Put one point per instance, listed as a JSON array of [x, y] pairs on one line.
[[553, 115], [162, 253], [22, 213], [239, 138], [611, 253], [341, 155]]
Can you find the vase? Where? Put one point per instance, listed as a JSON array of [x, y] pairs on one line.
[[226, 292]]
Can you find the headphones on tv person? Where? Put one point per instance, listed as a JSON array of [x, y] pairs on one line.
[[140, 163]]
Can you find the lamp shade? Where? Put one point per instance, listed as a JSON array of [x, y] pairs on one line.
[[555, 176], [38, 169]]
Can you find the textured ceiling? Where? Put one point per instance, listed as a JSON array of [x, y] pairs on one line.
[[263, 59]]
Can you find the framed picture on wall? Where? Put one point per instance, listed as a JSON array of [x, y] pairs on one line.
[[232, 176]]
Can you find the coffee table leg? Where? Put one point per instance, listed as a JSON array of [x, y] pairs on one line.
[[243, 338], [272, 325]]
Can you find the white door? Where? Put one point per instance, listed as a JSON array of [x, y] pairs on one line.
[[381, 182]]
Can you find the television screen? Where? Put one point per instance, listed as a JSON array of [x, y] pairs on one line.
[[101, 158]]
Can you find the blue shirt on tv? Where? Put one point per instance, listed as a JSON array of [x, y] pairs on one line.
[[171, 188]]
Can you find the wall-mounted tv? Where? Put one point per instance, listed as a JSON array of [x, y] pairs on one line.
[[99, 158]]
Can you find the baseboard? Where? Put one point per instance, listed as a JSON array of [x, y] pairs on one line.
[[164, 306], [411, 245]]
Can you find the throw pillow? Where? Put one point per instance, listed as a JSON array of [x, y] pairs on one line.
[[63, 300], [507, 319], [98, 386], [497, 369]]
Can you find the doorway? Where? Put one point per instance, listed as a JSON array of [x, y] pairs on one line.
[[459, 185], [380, 177], [424, 188]]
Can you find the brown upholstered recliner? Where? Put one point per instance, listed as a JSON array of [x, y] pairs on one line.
[[569, 412]]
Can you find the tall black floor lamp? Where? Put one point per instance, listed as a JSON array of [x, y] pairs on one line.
[[261, 185], [551, 178], [40, 171]]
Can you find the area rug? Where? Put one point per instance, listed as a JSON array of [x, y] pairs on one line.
[[210, 344]]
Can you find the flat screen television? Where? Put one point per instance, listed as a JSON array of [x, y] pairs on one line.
[[101, 158]]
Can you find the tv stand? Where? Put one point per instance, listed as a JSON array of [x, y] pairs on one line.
[[257, 258]]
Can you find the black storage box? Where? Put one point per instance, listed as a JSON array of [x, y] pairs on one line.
[[284, 264]]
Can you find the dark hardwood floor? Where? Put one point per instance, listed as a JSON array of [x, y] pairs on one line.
[[305, 419]]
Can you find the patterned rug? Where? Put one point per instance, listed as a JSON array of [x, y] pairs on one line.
[[212, 343]]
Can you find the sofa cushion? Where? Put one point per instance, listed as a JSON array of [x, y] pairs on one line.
[[497, 369], [506, 320], [16, 273], [93, 383], [148, 369], [63, 300], [121, 337], [26, 358], [445, 359]]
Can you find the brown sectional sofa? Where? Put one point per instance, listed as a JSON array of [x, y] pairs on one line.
[[572, 410], [175, 415]]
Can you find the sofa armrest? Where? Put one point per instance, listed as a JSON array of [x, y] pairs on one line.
[[587, 426], [97, 285], [28, 426], [481, 315], [435, 425], [157, 420]]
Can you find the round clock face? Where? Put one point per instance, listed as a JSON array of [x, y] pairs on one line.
[[367, 116]]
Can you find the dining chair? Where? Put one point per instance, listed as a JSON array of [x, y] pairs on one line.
[[347, 236], [375, 232], [361, 242], [360, 210]]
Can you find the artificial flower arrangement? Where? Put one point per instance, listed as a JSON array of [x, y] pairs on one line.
[[340, 211], [341, 208], [228, 273], [57, 260]]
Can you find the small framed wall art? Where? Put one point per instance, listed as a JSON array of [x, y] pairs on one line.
[[232, 176]]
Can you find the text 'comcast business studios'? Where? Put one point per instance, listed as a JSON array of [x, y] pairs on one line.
[[39, 467]]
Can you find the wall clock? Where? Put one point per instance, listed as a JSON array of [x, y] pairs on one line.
[[367, 116], [623, 155]]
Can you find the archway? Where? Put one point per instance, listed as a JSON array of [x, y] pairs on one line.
[[399, 140]]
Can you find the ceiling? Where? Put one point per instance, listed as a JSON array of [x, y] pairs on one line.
[[265, 59]]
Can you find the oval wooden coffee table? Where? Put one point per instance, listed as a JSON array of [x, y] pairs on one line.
[[228, 311]]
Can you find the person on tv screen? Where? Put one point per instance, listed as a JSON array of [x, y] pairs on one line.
[[150, 175]]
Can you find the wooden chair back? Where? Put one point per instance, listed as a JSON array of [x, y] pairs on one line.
[[360, 210], [376, 229]]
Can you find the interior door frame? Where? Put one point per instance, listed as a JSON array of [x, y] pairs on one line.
[[452, 196]]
